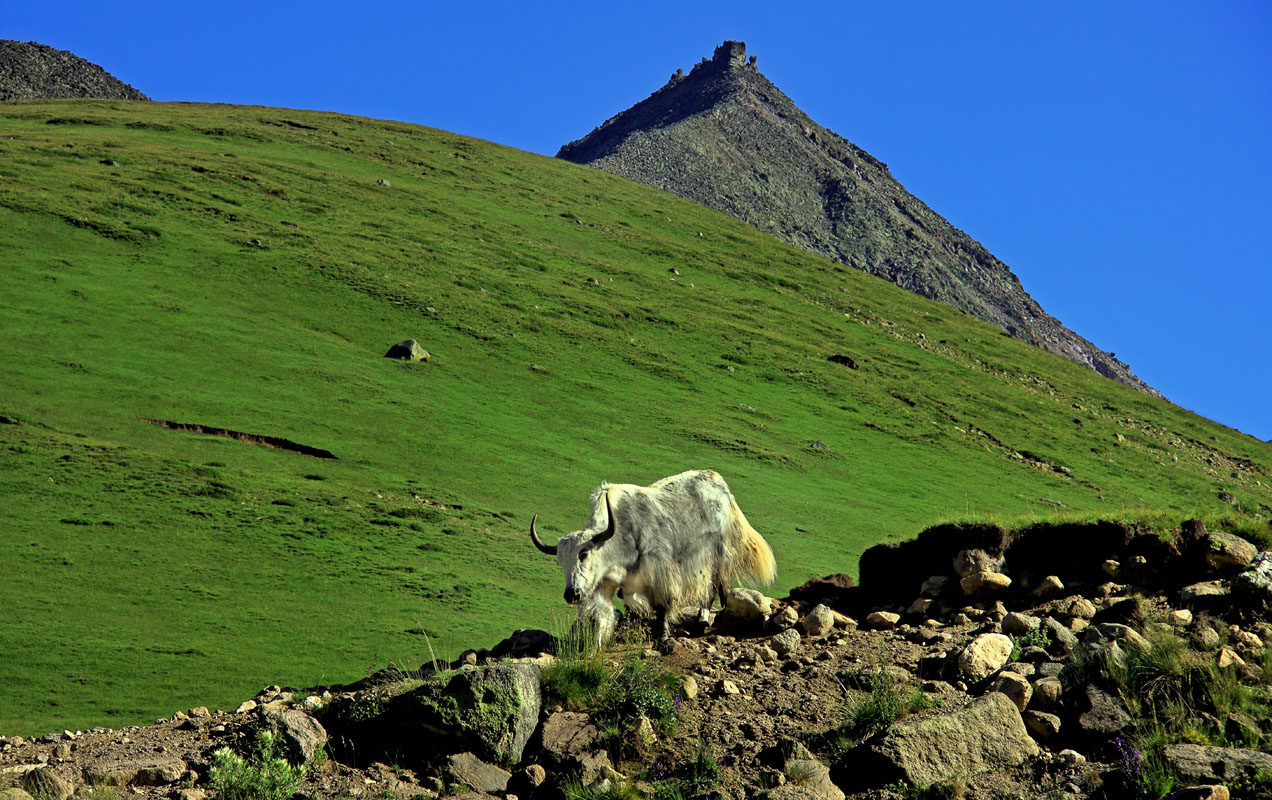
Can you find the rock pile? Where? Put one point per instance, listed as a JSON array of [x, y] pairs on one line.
[[1001, 676], [31, 71]]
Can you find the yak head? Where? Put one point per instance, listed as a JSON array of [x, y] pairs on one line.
[[580, 555]]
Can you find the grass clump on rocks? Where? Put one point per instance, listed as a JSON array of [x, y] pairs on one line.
[[265, 774], [883, 704]]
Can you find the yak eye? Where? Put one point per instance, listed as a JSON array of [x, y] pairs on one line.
[[582, 555]]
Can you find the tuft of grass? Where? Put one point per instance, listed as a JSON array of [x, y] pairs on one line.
[[699, 774], [265, 774], [952, 789], [1038, 637], [882, 705]]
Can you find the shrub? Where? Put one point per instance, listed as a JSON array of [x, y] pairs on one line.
[[265, 775]]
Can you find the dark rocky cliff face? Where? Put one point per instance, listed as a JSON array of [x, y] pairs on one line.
[[30, 71], [725, 137]]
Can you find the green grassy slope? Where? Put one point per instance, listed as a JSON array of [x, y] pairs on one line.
[[243, 268]]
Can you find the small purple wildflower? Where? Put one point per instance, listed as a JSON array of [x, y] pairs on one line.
[[676, 703], [1132, 760]]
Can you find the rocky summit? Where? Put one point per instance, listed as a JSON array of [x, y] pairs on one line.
[[31, 71], [726, 137]]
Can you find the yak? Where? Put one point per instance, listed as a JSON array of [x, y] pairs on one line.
[[680, 542]]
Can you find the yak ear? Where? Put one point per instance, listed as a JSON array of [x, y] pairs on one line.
[[602, 538]]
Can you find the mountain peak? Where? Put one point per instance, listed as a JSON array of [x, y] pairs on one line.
[[726, 137], [30, 70]]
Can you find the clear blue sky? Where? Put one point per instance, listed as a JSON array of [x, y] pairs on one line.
[[1117, 155]]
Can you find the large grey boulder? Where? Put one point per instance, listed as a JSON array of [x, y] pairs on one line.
[[492, 711], [408, 350], [1202, 763], [303, 735], [988, 734]]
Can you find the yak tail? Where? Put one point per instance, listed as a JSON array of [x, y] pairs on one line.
[[751, 557]]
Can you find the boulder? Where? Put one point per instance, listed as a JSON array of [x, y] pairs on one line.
[[785, 642], [1049, 587], [302, 735], [919, 607], [882, 620], [1016, 687], [468, 770], [408, 350], [1227, 554], [819, 621], [934, 586], [813, 777], [747, 606], [525, 643], [14, 793], [1042, 725], [566, 735], [491, 710], [1047, 692], [1132, 611], [783, 618], [980, 585], [984, 655], [1255, 583], [44, 783], [1017, 624], [1122, 634], [1196, 592], [1104, 717], [988, 734], [1204, 763], [1078, 607], [134, 772], [1062, 639]]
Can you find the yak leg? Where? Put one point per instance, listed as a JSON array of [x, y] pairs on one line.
[[662, 625]]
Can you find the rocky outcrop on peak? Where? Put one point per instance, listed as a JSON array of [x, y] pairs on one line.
[[724, 136], [32, 71]]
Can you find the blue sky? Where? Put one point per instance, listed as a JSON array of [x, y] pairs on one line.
[[1117, 155]]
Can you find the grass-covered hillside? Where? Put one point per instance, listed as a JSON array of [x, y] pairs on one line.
[[246, 269]]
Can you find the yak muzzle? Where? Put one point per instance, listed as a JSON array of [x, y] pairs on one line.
[[572, 596]]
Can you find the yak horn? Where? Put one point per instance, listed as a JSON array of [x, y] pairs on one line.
[[602, 538], [534, 537]]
